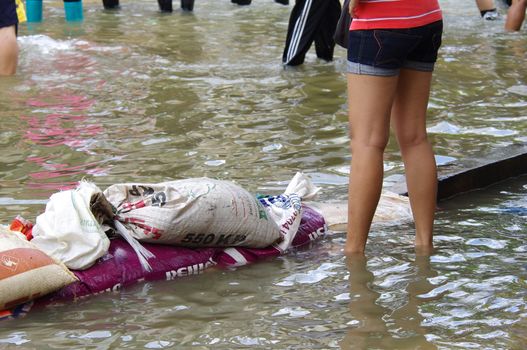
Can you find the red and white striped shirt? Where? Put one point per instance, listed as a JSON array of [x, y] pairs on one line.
[[388, 14]]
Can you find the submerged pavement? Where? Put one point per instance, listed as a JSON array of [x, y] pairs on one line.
[[478, 172]]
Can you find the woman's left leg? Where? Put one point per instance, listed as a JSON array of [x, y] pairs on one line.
[[409, 123]]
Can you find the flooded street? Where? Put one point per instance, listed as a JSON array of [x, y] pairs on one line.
[[143, 96]]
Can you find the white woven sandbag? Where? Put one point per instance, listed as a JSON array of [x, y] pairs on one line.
[[26, 272], [392, 209], [68, 231], [195, 212]]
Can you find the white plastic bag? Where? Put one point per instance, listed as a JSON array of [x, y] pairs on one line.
[[286, 209], [68, 231]]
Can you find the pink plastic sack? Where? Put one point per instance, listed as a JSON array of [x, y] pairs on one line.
[[121, 266]]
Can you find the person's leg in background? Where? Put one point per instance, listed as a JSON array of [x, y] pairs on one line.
[[515, 15], [299, 37], [8, 50], [324, 36], [304, 23], [9, 18], [487, 9]]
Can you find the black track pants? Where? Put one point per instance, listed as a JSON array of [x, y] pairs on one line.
[[311, 20]]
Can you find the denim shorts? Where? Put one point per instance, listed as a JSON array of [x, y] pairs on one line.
[[8, 16], [383, 52]]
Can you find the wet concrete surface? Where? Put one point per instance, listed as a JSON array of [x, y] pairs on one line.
[[477, 173]]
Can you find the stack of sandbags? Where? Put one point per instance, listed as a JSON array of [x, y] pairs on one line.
[[200, 222], [121, 266]]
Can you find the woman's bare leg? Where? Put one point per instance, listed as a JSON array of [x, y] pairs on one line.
[[485, 5], [409, 123], [8, 51], [515, 15], [370, 102]]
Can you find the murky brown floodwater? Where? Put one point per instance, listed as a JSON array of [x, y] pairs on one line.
[[136, 95]]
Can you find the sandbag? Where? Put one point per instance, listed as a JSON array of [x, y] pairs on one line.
[[121, 266], [195, 212], [312, 227], [392, 208], [68, 231], [26, 272]]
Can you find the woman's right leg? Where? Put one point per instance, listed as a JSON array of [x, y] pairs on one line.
[[370, 100], [8, 51]]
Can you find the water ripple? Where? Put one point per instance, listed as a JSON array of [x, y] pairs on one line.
[[313, 276]]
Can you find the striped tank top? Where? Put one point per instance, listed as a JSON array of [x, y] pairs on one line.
[[390, 14]]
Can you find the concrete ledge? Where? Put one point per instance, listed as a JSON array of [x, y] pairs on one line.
[[473, 174]]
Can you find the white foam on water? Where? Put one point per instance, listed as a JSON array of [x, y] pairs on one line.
[[44, 45], [96, 335], [518, 89], [292, 312], [487, 242], [449, 128], [17, 338], [311, 277]]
